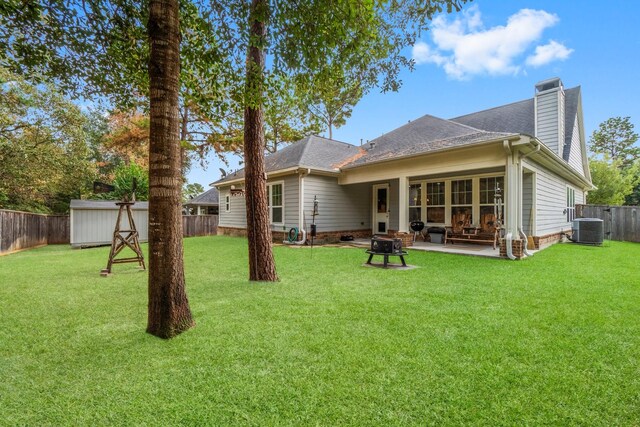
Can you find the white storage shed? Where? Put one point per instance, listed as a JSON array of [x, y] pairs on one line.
[[93, 221]]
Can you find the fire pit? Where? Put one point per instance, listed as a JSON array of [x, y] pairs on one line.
[[386, 247]]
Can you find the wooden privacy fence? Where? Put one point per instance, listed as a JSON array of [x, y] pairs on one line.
[[620, 222], [199, 225], [22, 230]]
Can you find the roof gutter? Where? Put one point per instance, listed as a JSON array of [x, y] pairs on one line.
[[279, 172], [512, 137], [562, 167]]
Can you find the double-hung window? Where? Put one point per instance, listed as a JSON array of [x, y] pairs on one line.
[[435, 202], [227, 203], [571, 204], [488, 188], [462, 201], [275, 200]]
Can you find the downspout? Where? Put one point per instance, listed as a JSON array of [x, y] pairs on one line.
[[520, 231], [301, 207], [508, 237]]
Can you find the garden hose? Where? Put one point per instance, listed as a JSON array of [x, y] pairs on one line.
[[293, 235]]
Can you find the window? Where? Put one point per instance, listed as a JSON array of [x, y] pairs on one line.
[[275, 202], [461, 201], [571, 204], [435, 202], [227, 203], [415, 202], [488, 188]]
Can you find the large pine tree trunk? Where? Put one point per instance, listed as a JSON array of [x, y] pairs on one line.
[[261, 263], [169, 312]]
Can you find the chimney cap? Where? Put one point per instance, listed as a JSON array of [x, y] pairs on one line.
[[552, 83]]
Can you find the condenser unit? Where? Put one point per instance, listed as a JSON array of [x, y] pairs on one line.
[[589, 231]]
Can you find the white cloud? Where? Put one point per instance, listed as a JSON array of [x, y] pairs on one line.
[[553, 51], [464, 47]]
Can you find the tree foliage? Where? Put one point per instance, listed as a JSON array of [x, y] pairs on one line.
[[616, 139], [44, 157], [191, 190], [613, 184]]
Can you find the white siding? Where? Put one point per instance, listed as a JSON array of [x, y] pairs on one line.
[[575, 155], [291, 202], [547, 123], [237, 215], [527, 202], [92, 227], [551, 199], [340, 207]]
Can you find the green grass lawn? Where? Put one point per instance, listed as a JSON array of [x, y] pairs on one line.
[[554, 339]]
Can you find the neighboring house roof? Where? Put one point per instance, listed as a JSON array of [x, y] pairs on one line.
[[312, 151], [208, 198], [424, 135], [103, 204], [519, 117]]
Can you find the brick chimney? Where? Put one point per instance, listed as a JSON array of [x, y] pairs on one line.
[[549, 114]]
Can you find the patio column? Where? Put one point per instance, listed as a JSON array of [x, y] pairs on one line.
[[403, 205], [512, 184]]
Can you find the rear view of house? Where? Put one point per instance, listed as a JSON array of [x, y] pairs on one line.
[[438, 171]]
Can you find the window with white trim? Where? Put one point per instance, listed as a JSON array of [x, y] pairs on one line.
[[275, 201], [435, 202], [571, 204], [462, 201], [488, 187], [227, 203], [415, 202]]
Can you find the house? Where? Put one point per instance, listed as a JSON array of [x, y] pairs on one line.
[[437, 171], [203, 204]]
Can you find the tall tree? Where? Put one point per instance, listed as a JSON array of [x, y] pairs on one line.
[[169, 312], [616, 139], [44, 157], [261, 262], [332, 99], [304, 39]]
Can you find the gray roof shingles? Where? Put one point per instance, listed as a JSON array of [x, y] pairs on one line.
[[312, 151], [519, 117], [424, 135], [208, 198]]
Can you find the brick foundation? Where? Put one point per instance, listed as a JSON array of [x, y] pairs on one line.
[[540, 242], [278, 236], [407, 238], [232, 231], [516, 245]]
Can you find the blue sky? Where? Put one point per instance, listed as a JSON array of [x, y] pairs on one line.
[[493, 53]]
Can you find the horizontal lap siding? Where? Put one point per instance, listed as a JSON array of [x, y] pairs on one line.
[[237, 215], [547, 120], [527, 202], [340, 207], [291, 202], [575, 153], [551, 200]]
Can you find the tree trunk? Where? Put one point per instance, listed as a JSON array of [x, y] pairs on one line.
[[261, 263], [169, 312]]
